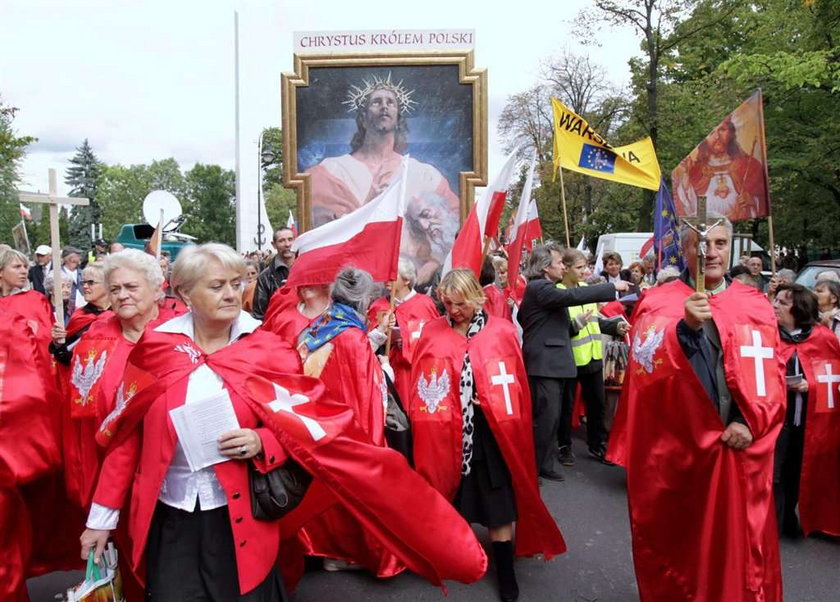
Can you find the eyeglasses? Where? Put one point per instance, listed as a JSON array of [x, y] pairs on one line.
[[90, 282]]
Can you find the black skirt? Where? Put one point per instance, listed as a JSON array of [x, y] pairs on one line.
[[485, 496], [191, 556]]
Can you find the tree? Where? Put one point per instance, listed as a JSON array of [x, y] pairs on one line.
[[120, 191], [82, 176], [279, 201], [211, 204], [12, 150], [656, 22]]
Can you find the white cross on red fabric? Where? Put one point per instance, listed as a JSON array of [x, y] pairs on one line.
[[504, 380], [829, 379], [284, 402], [759, 353]]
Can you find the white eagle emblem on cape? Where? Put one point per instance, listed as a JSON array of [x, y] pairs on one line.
[[643, 351], [121, 401], [434, 390], [85, 374]]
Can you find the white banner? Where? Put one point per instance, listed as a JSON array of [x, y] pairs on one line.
[[383, 40]]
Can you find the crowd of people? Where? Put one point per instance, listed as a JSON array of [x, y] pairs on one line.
[[726, 425]]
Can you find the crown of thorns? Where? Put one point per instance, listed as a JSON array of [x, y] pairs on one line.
[[357, 95]]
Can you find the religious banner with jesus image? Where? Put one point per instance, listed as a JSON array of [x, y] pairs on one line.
[[349, 122], [729, 168]]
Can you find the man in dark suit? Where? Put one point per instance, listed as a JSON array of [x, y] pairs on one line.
[[42, 267], [546, 345]]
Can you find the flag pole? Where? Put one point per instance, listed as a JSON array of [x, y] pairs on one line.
[[563, 200], [390, 312], [772, 245]]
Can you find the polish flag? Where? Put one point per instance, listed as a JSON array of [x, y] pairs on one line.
[[646, 248], [24, 211], [482, 222], [534, 228], [291, 224], [368, 238], [520, 231]]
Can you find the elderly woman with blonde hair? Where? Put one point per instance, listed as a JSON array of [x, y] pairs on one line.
[[189, 526], [473, 434]]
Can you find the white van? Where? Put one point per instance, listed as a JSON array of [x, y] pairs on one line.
[[629, 244]]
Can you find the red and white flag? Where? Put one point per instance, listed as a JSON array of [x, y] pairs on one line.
[[521, 228], [533, 231], [291, 224], [24, 211], [483, 221], [368, 238]]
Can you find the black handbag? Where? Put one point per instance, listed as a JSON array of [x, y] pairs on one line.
[[278, 492], [397, 424]]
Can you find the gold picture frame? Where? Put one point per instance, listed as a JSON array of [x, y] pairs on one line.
[[327, 78]]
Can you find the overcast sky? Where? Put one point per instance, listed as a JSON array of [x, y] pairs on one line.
[[151, 79]]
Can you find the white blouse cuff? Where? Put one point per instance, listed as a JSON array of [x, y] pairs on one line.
[[103, 518]]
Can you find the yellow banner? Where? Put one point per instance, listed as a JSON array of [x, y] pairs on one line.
[[579, 148]]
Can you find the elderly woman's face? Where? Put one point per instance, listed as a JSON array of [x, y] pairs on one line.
[[459, 309], [217, 295], [93, 288], [824, 297], [131, 294]]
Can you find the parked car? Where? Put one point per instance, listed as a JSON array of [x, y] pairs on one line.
[[135, 236], [808, 276]]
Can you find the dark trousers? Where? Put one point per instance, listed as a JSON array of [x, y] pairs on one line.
[[190, 556], [548, 395], [591, 381], [787, 470]]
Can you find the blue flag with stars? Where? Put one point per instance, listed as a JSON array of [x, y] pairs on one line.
[[666, 231], [597, 158]]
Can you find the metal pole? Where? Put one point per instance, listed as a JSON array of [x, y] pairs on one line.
[[240, 240], [565, 214], [259, 240]]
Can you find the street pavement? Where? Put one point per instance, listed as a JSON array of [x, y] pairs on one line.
[[591, 509]]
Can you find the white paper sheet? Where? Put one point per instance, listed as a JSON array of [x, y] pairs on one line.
[[199, 426]]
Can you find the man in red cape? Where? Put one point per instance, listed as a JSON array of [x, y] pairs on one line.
[[413, 311], [696, 429], [372, 483], [819, 495], [30, 487], [503, 393]]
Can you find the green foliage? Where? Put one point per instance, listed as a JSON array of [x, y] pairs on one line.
[[11, 152], [211, 205], [81, 176], [278, 200]]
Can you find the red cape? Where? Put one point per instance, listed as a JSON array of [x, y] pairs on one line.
[[496, 304], [31, 504], [37, 310], [82, 318], [436, 420], [701, 513], [287, 324], [412, 316], [352, 375], [372, 483], [819, 496]]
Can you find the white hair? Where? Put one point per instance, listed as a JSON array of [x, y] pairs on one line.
[[139, 261], [828, 275], [667, 274], [192, 263], [407, 270]]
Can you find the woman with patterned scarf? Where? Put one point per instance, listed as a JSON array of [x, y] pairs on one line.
[[472, 426], [335, 348]]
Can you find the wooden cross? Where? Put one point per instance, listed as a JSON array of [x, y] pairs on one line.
[[698, 223], [53, 200]]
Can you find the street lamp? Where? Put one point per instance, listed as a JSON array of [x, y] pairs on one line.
[[264, 157]]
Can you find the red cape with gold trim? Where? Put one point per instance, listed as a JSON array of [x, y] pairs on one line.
[[701, 513], [819, 495], [502, 388]]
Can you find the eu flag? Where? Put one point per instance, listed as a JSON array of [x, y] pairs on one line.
[[597, 158], [666, 231]]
